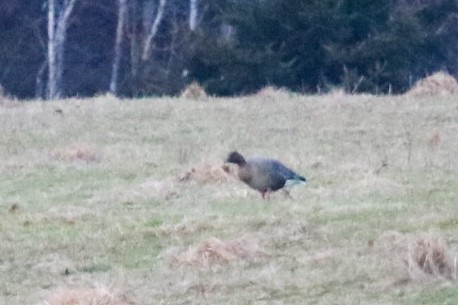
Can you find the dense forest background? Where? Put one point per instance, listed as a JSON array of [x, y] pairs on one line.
[[156, 47]]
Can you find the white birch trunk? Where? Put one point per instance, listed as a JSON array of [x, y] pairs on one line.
[[52, 75], [153, 30], [122, 10], [193, 14], [57, 30]]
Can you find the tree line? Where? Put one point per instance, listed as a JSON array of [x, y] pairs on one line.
[[59, 48]]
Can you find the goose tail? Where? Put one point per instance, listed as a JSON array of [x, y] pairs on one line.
[[295, 180]]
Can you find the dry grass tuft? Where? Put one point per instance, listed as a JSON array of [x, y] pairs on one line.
[[208, 172], [194, 91], [430, 256], [420, 258], [87, 296], [7, 101], [76, 152], [14, 208], [338, 97], [214, 251], [438, 84], [272, 92]]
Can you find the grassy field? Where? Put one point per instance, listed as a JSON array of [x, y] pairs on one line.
[[106, 201]]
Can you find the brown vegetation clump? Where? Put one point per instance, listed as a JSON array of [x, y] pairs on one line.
[[421, 258], [438, 84], [87, 296], [336, 98], [430, 256], [75, 152], [14, 208], [208, 172], [272, 92], [214, 251], [194, 91]]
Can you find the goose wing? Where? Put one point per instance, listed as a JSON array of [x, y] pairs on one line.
[[271, 174]]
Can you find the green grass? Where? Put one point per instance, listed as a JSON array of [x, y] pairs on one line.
[[116, 215]]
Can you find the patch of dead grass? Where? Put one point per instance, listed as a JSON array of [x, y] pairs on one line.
[[208, 172], [438, 84], [214, 251], [282, 233], [194, 91], [430, 257], [165, 189], [184, 229], [424, 257], [272, 92], [154, 188], [76, 152], [99, 295], [335, 97], [53, 264], [372, 181], [12, 167], [57, 215]]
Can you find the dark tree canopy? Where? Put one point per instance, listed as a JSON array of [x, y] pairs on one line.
[[238, 46]]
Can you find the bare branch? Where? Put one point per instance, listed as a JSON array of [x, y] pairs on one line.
[[153, 31], [119, 36], [63, 17], [193, 14], [68, 8]]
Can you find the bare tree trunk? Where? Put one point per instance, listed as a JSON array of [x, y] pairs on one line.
[[122, 10], [143, 22], [57, 30], [174, 31], [193, 14], [52, 72], [39, 89], [153, 30], [134, 37]]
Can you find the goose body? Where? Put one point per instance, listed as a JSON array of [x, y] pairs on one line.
[[264, 175]]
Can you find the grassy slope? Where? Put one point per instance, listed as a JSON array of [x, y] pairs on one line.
[[118, 220]]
